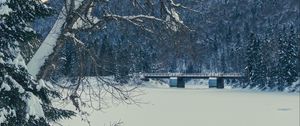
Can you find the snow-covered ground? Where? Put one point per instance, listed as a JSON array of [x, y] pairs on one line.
[[201, 107]]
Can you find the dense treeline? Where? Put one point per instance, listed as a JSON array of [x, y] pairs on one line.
[[278, 68], [257, 37]]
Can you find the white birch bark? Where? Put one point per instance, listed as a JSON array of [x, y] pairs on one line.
[[47, 47]]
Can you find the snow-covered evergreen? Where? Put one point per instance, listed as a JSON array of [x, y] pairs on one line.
[[287, 52], [255, 69], [23, 100]]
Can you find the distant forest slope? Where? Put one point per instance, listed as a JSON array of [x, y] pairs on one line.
[[252, 37]]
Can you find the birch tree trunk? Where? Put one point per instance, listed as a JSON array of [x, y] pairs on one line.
[[47, 47]]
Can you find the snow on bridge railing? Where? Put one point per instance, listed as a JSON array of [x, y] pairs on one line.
[[190, 74]]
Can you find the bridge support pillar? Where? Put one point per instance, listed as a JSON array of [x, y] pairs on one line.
[[180, 83], [216, 82], [176, 82], [220, 83]]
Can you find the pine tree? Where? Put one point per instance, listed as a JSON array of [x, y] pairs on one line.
[[106, 58], [23, 100], [262, 65], [144, 61], [122, 63], [256, 68], [287, 67], [298, 61], [292, 54]]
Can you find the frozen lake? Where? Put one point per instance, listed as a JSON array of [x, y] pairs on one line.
[[202, 107]]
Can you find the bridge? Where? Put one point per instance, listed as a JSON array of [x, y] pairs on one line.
[[177, 79]]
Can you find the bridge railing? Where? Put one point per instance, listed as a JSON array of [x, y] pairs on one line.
[[191, 74]]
